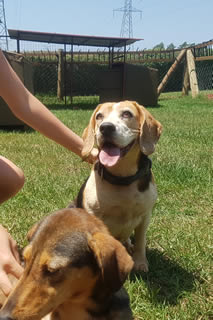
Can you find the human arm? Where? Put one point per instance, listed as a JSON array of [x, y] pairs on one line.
[[30, 110]]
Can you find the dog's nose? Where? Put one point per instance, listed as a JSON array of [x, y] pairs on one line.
[[107, 128]]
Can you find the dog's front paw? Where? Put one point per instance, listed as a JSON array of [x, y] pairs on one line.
[[140, 263], [129, 246]]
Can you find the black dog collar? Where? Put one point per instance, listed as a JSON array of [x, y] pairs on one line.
[[145, 165]]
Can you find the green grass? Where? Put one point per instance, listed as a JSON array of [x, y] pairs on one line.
[[178, 284]]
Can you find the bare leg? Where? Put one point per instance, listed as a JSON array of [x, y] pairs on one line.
[[11, 179], [139, 255]]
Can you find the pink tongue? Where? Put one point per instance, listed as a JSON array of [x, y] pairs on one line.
[[109, 155]]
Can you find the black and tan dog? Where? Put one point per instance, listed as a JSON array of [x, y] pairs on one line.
[[74, 270], [121, 189]]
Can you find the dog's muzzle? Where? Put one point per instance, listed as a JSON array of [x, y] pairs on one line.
[[107, 129], [110, 152]]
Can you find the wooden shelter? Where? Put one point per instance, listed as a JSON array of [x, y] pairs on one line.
[[121, 80], [24, 70]]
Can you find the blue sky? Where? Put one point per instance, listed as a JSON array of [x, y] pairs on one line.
[[167, 21]]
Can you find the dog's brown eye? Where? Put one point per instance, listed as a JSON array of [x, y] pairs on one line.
[[127, 114], [50, 272], [99, 116]]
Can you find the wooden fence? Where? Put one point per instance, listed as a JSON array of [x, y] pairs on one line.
[[85, 66], [203, 51]]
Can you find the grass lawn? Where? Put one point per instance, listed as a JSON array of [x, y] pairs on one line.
[[179, 251]]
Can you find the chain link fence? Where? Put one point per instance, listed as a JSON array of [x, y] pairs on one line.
[[82, 76], [45, 77], [204, 71], [176, 80], [205, 74], [83, 79]]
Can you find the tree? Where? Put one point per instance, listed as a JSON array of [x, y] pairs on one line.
[[171, 46], [159, 46], [186, 45]]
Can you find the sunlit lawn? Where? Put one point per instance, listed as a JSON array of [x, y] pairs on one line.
[[179, 238]]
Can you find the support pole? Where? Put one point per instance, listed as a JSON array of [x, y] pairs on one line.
[[110, 58], [192, 73], [124, 74], [186, 83], [18, 46], [60, 82], [170, 71], [65, 74], [71, 75]]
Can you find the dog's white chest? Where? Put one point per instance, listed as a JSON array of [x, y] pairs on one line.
[[122, 208]]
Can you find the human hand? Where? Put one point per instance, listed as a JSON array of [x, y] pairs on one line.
[[93, 156], [9, 260]]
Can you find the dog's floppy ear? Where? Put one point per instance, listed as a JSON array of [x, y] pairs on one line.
[[112, 258], [150, 130], [33, 229], [89, 135]]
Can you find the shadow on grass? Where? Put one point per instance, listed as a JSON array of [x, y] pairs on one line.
[[74, 106], [83, 106], [80, 103], [18, 128], [166, 281]]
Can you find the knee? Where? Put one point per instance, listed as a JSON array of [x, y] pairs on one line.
[[16, 183], [13, 185], [19, 179], [11, 179]]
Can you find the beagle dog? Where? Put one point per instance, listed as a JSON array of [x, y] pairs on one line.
[[74, 270], [120, 189]]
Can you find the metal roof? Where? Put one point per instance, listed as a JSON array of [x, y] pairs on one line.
[[79, 40]]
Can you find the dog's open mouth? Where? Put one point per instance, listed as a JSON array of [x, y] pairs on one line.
[[110, 153]]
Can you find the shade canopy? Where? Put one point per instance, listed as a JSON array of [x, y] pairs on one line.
[[70, 39]]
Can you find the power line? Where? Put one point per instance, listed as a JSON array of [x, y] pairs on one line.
[[3, 27]]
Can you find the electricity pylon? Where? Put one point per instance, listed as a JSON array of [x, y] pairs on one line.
[[3, 27], [126, 26]]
